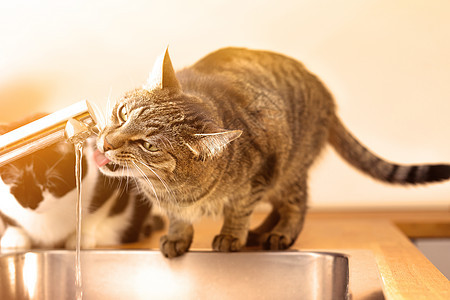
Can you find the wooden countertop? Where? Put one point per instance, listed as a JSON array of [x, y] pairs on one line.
[[405, 272]]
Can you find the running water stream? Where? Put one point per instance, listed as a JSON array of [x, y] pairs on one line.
[[76, 133], [78, 174]]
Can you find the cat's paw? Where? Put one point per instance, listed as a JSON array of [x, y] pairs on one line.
[[226, 243], [15, 238], [171, 247], [275, 241], [87, 241]]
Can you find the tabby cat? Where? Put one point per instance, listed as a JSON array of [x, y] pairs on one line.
[[38, 198], [236, 128]]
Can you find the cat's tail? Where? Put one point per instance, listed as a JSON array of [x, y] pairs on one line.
[[360, 157]]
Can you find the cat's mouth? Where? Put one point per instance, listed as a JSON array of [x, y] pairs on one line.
[[102, 161], [113, 167]]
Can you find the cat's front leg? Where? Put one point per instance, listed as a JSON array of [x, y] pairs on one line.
[[234, 232], [15, 238], [178, 239]]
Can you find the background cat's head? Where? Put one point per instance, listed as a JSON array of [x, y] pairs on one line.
[[46, 172], [160, 131]]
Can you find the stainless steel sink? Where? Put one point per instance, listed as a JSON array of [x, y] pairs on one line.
[[136, 274]]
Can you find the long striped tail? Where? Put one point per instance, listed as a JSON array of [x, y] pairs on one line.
[[360, 157]]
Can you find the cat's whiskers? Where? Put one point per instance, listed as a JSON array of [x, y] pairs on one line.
[[147, 180], [52, 167], [125, 170], [168, 189], [50, 174], [110, 181], [109, 105], [11, 169], [134, 178], [129, 178], [136, 184], [56, 176], [122, 177], [15, 168]]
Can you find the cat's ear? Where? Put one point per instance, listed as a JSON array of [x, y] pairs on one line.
[[163, 75], [207, 145]]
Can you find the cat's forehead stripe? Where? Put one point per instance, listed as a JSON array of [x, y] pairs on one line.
[[138, 112]]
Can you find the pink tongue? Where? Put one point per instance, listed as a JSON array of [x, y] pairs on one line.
[[100, 158]]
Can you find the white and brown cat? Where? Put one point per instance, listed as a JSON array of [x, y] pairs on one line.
[[38, 199]]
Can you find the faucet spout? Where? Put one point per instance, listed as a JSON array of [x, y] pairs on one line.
[[76, 131]]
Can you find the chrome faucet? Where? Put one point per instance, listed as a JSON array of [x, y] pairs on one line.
[[75, 122]]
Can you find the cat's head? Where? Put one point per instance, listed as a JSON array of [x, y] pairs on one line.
[[46, 172], [159, 130]]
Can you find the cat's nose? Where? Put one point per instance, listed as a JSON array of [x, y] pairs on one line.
[[106, 145]]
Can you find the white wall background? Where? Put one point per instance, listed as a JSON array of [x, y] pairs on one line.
[[386, 61]]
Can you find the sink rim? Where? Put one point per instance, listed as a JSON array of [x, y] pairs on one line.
[[332, 253], [214, 271]]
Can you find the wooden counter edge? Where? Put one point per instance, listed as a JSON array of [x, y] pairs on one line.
[[414, 224]]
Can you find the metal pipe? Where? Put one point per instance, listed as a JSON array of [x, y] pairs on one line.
[[45, 131]]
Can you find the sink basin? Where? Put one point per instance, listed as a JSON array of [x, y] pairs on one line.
[[141, 274]]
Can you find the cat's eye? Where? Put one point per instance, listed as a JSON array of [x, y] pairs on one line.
[[122, 114], [149, 147]]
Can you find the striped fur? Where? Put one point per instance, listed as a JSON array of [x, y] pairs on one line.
[[360, 157], [236, 128]]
